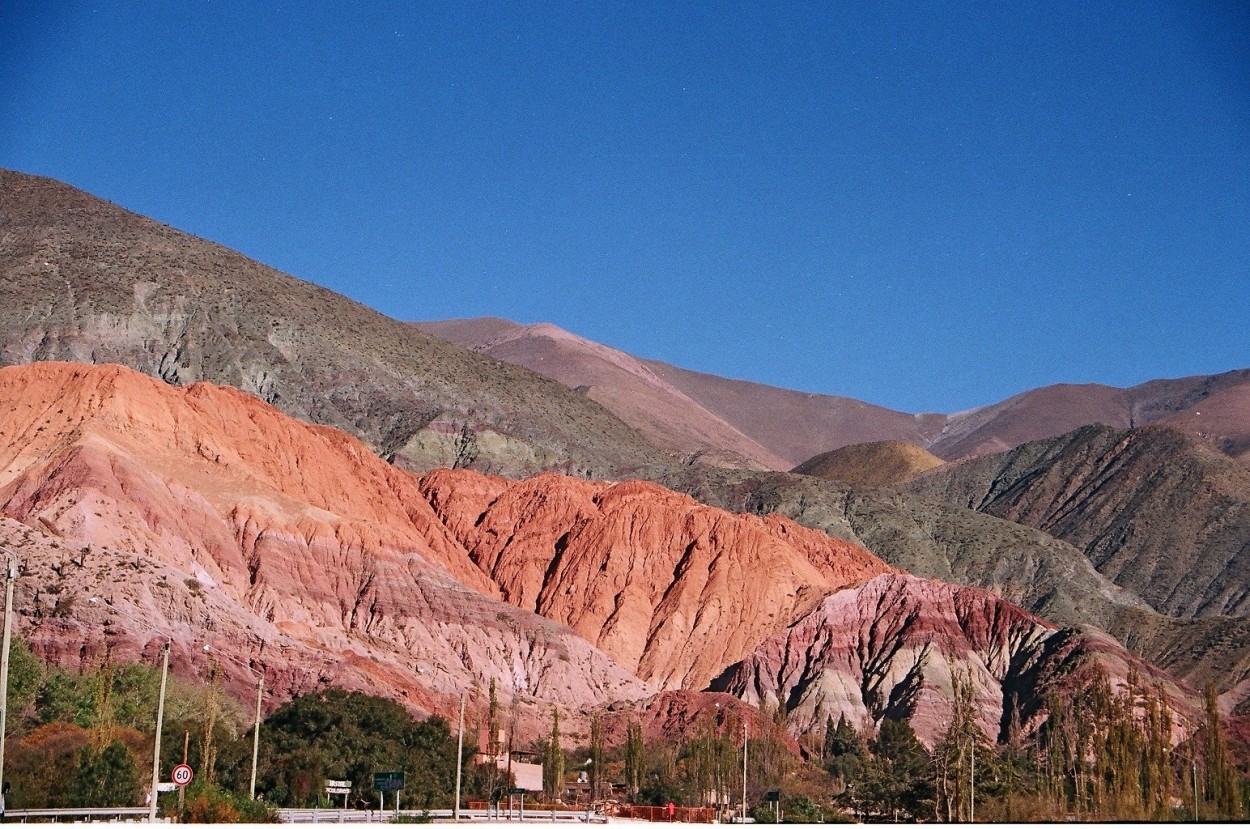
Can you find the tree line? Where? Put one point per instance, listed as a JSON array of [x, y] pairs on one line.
[[84, 738]]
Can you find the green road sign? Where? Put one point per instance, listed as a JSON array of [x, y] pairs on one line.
[[388, 781], [516, 790]]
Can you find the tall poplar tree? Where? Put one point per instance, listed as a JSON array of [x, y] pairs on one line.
[[635, 759], [553, 762], [596, 755], [1222, 790]]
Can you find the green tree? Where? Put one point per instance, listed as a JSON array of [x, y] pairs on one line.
[[1222, 790], [900, 777], [26, 678], [553, 762], [348, 736], [635, 759], [105, 777], [844, 750], [597, 756]]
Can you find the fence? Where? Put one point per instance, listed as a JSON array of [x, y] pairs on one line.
[[659, 814], [106, 815]]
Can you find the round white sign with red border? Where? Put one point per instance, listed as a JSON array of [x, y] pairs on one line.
[[182, 774]]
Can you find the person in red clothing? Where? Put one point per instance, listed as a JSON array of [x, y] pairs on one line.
[[671, 809]]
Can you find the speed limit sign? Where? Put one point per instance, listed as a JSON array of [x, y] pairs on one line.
[[181, 775]]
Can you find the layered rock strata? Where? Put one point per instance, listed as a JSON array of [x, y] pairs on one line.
[[894, 647]]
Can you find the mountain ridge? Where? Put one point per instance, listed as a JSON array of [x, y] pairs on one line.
[[88, 281], [798, 426], [1154, 508]]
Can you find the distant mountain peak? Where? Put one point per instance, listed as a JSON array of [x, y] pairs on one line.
[[785, 428]]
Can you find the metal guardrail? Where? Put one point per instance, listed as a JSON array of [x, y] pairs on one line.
[[139, 813], [466, 815]]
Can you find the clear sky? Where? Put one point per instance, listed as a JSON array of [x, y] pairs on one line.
[[927, 205]]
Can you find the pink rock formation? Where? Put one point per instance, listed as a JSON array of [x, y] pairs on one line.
[[208, 514], [891, 648]]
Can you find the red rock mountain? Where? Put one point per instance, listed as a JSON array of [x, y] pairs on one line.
[[205, 513], [205, 508], [671, 589]]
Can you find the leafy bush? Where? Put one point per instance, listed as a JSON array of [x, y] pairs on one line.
[[207, 803], [349, 736]]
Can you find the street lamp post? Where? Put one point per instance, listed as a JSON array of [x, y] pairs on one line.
[[160, 708]]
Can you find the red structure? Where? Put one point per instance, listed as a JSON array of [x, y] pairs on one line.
[[662, 814]]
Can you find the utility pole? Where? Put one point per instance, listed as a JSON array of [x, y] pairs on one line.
[[11, 572], [744, 773], [260, 691], [182, 790], [460, 759], [1194, 766], [156, 748]]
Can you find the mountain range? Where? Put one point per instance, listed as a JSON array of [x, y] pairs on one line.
[[211, 448], [204, 514], [770, 428]]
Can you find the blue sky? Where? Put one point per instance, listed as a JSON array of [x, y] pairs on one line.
[[930, 206]]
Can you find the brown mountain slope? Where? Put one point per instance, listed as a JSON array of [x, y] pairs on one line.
[[883, 463], [772, 428], [891, 648], [84, 280], [624, 385], [1221, 418], [1055, 410], [1154, 509], [797, 426]]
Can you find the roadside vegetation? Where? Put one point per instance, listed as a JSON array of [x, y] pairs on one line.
[[84, 738]]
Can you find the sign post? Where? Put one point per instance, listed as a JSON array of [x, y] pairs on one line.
[[516, 790], [388, 781], [343, 787], [182, 774], [774, 797]]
